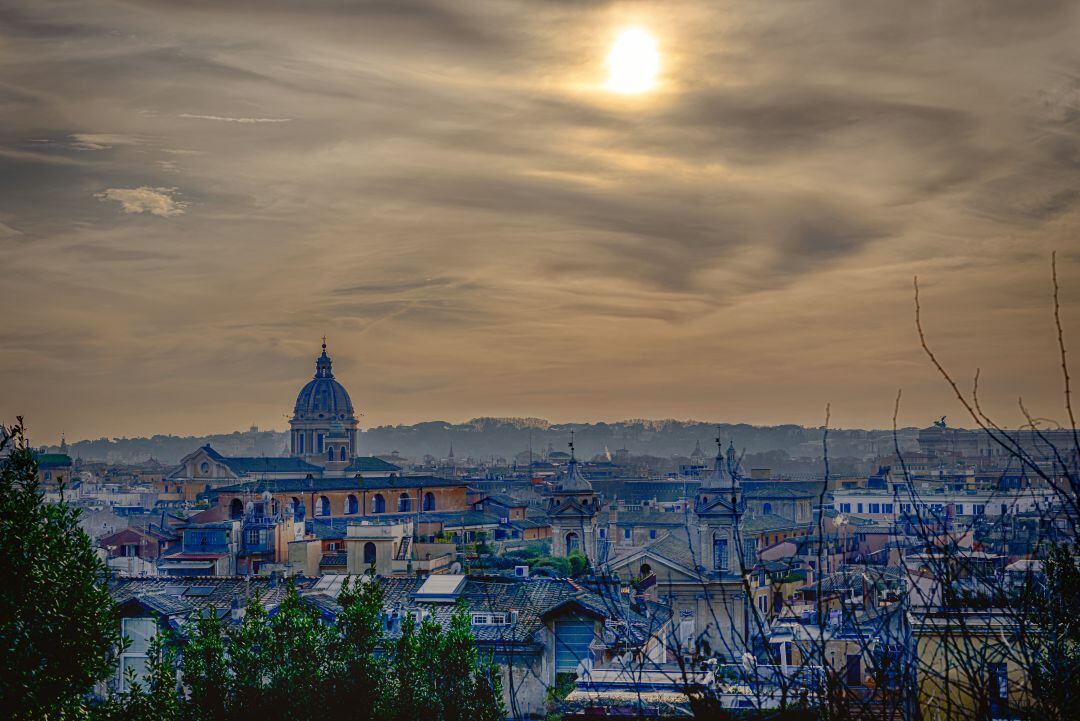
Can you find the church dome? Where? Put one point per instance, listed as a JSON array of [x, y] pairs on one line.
[[323, 396]]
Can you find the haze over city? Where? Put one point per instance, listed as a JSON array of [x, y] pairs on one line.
[[577, 211]]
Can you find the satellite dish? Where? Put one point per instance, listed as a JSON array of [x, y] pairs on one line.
[[267, 496], [249, 507]]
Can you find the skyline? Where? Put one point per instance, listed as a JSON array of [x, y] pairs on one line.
[[191, 196]]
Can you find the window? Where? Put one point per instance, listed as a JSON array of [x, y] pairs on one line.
[[766, 508], [320, 442], [573, 543], [343, 457], [603, 533], [141, 632], [403, 503], [845, 508], [626, 534], [300, 446], [330, 453], [858, 507], [251, 536], [998, 674], [720, 554], [887, 508], [369, 553], [480, 618], [959, 509], [652, 534], [323, 507], [980, 509], [875, 508], [236, 508], [429, 501], [378, 504], [204, 468], [352, 506]]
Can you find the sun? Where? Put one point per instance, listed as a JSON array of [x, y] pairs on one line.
[[633, 62]]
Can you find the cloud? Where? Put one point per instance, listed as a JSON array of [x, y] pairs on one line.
[[226, 119], [101, 141], [156, 201]]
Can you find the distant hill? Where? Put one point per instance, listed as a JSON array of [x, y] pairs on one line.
[[485, 438]]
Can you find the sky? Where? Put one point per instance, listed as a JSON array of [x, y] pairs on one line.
[[192, 194]]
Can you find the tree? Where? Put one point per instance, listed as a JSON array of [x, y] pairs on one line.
[[298, 650], [154, 698], [1055, 673], [59, 630], [206, 671], [415, 697], [469, 688], [356, 674]]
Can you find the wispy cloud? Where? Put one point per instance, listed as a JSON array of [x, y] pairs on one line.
[[155, 201], [101, 141], [228, 119]]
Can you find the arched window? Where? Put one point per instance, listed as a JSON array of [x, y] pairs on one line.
[[766, 508], [343, 457], [323, 508], [646, 569], [369, 553], [330, 453], [236, 508], [573, 542], [351, 505], [204, 468], [378, 504], [403, 504], [429, 501]]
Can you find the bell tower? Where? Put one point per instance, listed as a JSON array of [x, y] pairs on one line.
[[719, 507], [573, 508]]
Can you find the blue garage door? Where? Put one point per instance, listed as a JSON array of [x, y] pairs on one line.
[[573, 635]]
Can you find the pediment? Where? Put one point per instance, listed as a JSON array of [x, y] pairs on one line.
[[664, 568]]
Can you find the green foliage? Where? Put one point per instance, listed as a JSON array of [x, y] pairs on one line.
[[59, 631], [154, 698], [272, 666], [579, 564], [1055, 673], [206, 672]]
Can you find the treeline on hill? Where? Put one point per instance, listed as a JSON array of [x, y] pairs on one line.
[[484, 438], [60, 637]]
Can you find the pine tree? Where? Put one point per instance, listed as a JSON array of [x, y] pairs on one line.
[[59, 630]]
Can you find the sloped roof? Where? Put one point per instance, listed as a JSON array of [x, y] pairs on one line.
[[308, 485], [370, 464], [534, 600], [185, 594], [261, 464]]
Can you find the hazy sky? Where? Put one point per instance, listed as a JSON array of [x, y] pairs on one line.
[[191, 193]]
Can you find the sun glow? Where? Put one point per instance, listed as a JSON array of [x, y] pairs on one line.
[[633, 62]]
